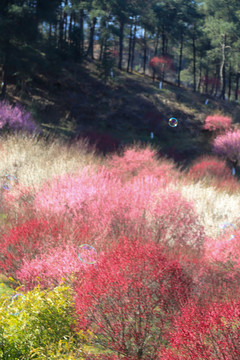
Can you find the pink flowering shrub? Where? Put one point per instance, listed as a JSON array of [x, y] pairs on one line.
[[131, 296], [135, 162], [210, 332], [176, 225], [16, 118], [109, 208], [49, 269], [217, 123], [228, 145], [211, 167]]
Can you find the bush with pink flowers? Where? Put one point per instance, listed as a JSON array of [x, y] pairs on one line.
[[217, 123], [210, 167], [228, 145], [14, 117]]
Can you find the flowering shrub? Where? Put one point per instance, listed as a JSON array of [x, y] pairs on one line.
[[16, 118], [50, 269], [109, 209], [141, 162], [160, 63], [211, 167], [130, 297], [210, 332], [28, 240], [228, 145], [176, 225], [217, 123]]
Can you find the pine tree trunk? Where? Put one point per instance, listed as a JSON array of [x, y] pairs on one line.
[[180, 60], [129, 48], [50, 32], [5, 70], [194, 64], [90, 49], [156, 51], [200, 77], [60, 39], [133, 44], [222, 69], [163, 41], [237, 86], [81, 32], [229, 82], [217, 86], [70, 29], [121, 35], [65, 21], [144, 51], [206, 81]]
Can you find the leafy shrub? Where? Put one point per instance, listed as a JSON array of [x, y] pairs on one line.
[[44, 318], [210, 332], [16, 118], [217, 123], [228, 145], [128, 300], [210, 167]]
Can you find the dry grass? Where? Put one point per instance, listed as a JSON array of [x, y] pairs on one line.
[[213, 206], [34, 160]]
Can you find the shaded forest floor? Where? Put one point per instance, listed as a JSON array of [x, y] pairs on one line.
[[126, 110]]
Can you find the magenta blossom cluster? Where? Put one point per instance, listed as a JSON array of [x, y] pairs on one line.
[[228, 145], [16, 118]]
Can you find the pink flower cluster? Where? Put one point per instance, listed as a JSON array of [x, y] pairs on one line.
[[16, 118]]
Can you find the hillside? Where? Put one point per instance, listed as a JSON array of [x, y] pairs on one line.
[[127, 109]]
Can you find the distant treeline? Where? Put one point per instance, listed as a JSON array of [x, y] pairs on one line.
[[200, 38]]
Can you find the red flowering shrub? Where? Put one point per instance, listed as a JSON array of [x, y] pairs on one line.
[[210, 332], [28, 240], [160, 63], [228, 145], [211, 167], [128, 300], [217, 123]]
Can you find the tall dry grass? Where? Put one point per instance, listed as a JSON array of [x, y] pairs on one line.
[[213, 206], [33, 160]]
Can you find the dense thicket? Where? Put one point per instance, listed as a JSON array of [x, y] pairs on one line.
[[200, 38]]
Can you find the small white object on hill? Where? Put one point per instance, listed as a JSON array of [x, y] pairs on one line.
[[160, 85], [206, 102], [111, 73], [152, 135]]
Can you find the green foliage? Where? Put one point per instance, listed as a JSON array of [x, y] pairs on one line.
[[44, 325], [107, 63]]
